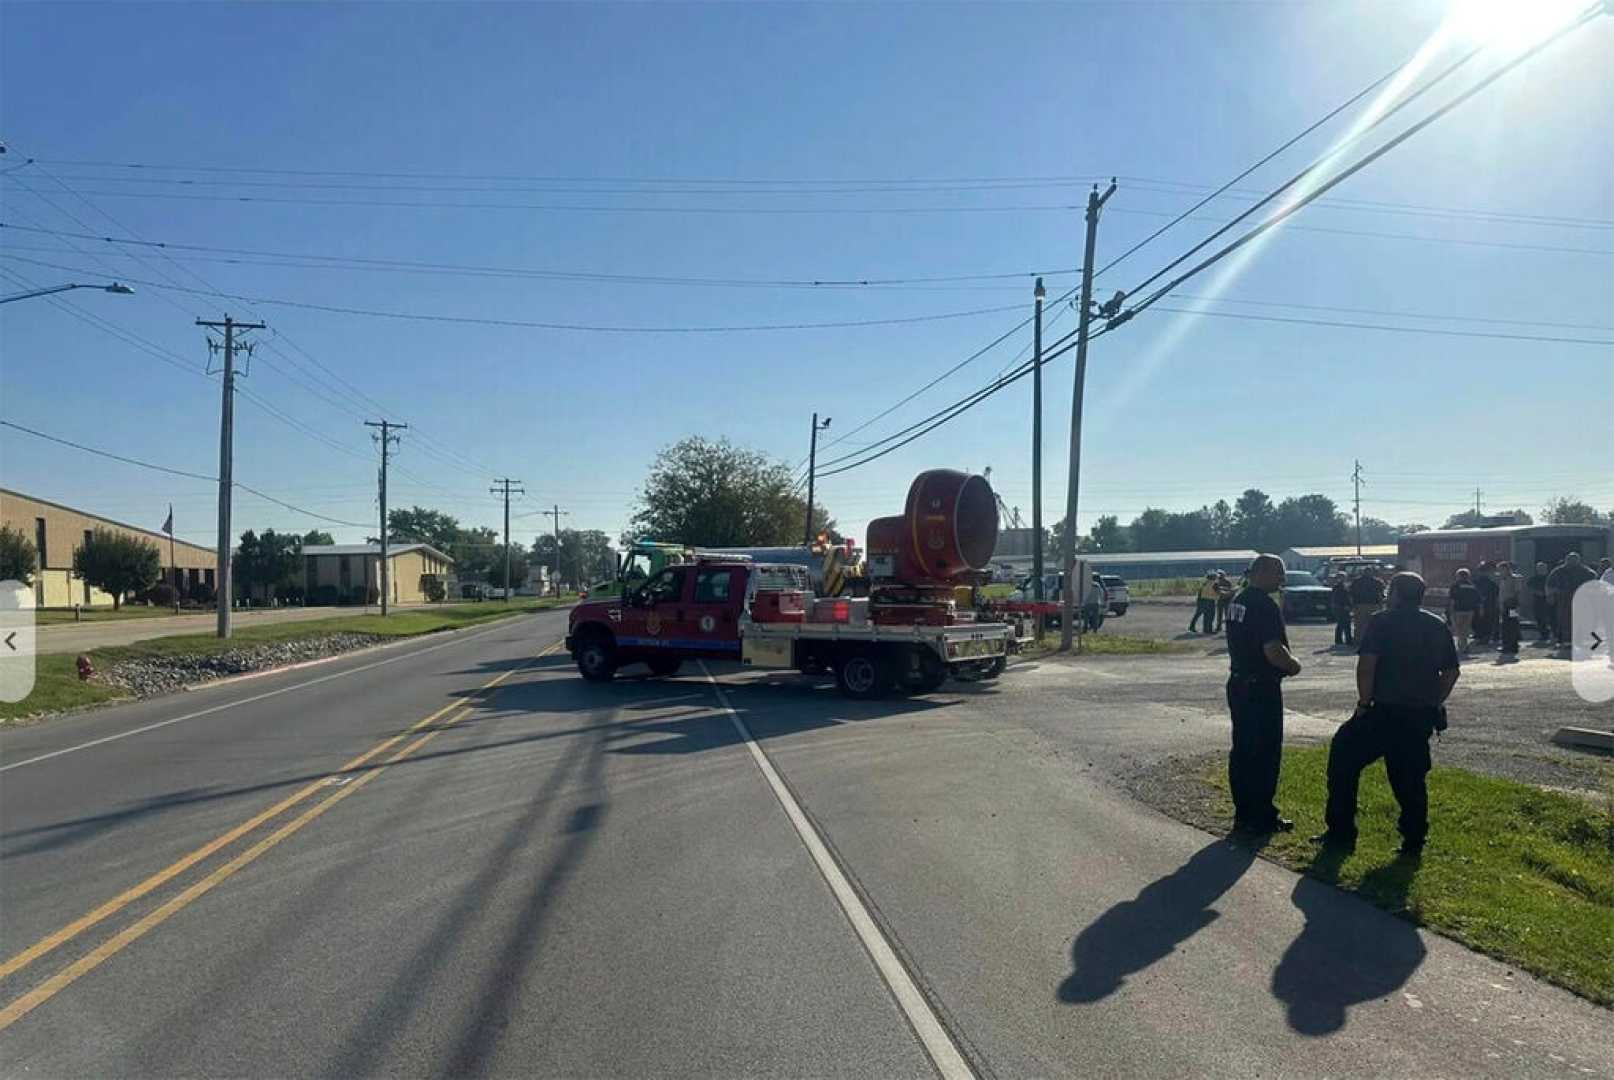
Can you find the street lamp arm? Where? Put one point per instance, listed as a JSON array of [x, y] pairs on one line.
[[115, 287]]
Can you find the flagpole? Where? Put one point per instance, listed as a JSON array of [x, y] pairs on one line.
[[173, 560]]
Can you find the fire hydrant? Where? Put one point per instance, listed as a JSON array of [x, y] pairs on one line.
[[85, 668]]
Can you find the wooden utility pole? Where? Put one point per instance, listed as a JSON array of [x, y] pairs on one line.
[[1067, 621], [387, 439], [1038, 295], [224, 597], [1356, 481], [505, 489], [556, 513], [812, 467]]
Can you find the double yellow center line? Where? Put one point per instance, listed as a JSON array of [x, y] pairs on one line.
[[445, 718]]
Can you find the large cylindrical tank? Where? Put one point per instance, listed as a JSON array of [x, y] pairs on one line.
[[948, 529]]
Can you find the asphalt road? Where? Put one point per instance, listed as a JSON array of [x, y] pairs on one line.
[[453, 856]]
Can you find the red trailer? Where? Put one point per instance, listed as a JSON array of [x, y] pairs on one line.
[[1439, 554]]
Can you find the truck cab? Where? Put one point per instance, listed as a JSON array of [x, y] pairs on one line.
[[643, 560], [683, 611]]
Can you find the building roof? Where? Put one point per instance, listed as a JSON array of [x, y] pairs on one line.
[[1134, 558], [372, 549], [1342, 550], [153, 533], [1512, 530]]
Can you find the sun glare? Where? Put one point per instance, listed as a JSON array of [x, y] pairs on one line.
[[1511, 23]]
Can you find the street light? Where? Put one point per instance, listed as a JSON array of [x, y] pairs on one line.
[[117, 288], [812, 467]]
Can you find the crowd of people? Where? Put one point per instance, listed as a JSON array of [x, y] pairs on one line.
[[1485, 606]]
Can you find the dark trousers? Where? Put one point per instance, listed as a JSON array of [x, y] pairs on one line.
[[1252, 764], [1485, 623], [1399, 735], [1206, 610], [1564, 610], [1546, 617], [1510, 630], [1221, 613], [1342, 628]]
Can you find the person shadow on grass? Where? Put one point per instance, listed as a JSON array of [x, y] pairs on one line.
[[1138, 932], [1349, 951]]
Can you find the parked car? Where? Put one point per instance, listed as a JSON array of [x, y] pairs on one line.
[[1115, 592], [1093, 612], [1306, 597]]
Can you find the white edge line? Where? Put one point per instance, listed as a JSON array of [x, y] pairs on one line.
[[246, 700], [938, 1044]]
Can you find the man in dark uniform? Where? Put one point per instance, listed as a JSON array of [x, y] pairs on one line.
[[1540, 607], [1258, 649], [1405, 669]]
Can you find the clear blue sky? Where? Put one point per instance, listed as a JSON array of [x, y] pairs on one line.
[[1182, 410]]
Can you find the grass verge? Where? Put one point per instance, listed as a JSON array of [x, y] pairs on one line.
[[1522, 874], [1178, 586], [57, 686], [57, 616]]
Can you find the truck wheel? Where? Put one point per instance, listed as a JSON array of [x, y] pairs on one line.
[[922, 671], [663, 666], [863, 675], [596, 658], [994, 667]]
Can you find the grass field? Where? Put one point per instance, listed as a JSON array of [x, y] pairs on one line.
[[57, 686], [56, 616], [1177, 586], [1522, 874]]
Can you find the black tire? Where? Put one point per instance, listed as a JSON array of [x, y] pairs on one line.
[[995, 667], [923, 671], [863, 676], [664, 666], [596, 658], [1119, 609]]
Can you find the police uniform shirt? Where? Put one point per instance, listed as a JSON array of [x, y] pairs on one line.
[[1413, 647], [1252, 621], [1464, 597]]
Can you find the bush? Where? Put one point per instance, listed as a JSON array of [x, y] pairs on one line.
[[160, 595], [290, 592], [324, 596], [433, 587], [200, 593], [17, 556]]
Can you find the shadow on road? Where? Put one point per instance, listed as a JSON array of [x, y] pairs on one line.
[[1138, 932], [1348, 952]]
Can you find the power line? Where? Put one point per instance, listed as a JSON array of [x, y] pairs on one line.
[[531, 324], [172, 472], [1341, 177], [1436, 330], [342, 261]]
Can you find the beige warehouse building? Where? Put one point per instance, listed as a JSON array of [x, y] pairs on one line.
[[348, 568], [57, 531]]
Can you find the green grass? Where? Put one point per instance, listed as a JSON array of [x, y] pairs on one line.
[[1177, 586], [57, 686], [1522, 874], [56, 616]]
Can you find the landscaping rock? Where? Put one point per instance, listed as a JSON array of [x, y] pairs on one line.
[[165, 674]]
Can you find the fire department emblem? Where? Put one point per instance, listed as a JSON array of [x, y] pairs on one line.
[[652, 623], [707, 623]]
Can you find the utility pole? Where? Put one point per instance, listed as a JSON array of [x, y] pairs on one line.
[[1477, 506], [224, 597], [505, 489], [555, 513], [387, 439], [1356, 480], [812, 467], [1067, 621], [1039, 294]]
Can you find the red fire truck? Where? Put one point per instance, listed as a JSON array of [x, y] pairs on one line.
[[908, 634]]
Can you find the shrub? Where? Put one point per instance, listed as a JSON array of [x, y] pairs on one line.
[[200, 593], [289, 592], [324, 596], [17, 556], [160, 595], [433, 587]]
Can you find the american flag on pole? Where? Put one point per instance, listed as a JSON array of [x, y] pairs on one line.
[[168, 523]]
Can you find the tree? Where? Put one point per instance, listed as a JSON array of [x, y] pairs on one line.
[[118, 563], [17, 557], [270, 561], [1253, 520], [473, 551], [1221, 523], [418, 525], [1568, 510], [317, 538], [518, 566], [585, 556], [715, 494], [1108, 536], [1468, 519], [1308, 520]]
